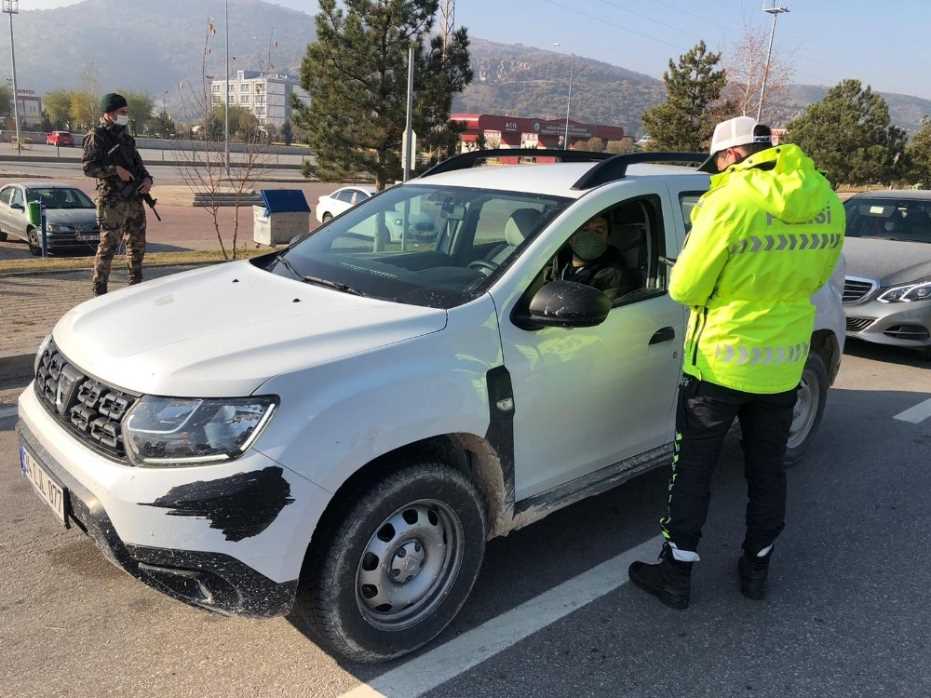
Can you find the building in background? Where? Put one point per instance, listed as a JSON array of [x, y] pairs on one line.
[[30, 109], [268, 97], [523, 132]]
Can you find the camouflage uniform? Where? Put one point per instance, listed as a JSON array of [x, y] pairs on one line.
[[117, 217]]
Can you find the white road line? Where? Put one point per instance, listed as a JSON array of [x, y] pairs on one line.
[[916, 414], [447, 661], [7, 412]]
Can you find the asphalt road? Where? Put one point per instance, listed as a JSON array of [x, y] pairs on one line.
[[848, 613]]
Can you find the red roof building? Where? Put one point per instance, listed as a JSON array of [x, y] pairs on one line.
[[522, 132]]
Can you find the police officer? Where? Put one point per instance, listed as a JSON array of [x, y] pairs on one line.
[[764, 238], [119, 217]]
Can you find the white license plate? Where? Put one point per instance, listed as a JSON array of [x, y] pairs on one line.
[[86, 237], [48, 489]]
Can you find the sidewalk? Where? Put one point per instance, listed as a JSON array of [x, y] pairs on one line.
[[31, 305]]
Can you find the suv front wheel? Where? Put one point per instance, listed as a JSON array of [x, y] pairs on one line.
[[396, 566]]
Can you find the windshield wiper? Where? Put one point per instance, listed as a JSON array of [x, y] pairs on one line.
[[319, 281], [345, 288]]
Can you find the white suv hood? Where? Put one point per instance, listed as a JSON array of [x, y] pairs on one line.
[[224, 330]]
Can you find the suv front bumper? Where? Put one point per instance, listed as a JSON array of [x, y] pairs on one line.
[[116, 505]]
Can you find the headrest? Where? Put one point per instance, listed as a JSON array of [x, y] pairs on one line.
[[523, 222], [627, 235]]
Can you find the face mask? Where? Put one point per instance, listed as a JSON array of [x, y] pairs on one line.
[[587, 245], [122, 120]]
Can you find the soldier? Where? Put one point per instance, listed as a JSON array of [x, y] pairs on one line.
[[118, 216]]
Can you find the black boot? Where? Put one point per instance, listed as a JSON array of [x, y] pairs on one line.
[[100, 288], [669, 580], [753, 571]]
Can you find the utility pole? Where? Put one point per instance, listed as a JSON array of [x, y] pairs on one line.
[[11, 7], [408, 128], [775, 12], [226, 110]]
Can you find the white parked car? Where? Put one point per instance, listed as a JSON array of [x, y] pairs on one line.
[[337, 429], [329, 206]]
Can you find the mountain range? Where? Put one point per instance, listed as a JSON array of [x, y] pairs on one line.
[[154, 46]]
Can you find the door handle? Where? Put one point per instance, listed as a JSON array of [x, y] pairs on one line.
[[665, 334]]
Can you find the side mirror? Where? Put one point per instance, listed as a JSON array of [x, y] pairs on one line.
[[564, 304]]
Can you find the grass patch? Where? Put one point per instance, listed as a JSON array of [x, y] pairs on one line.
[[152, 259]]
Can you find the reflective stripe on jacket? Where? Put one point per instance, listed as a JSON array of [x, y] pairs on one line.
[[764, 239]]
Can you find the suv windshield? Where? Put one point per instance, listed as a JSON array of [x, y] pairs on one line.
[[60, 197], [890, 219], [424, 245]]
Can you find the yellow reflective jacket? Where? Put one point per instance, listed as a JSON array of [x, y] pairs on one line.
[[764, 239]]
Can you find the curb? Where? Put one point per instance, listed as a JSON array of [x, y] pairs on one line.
[[15, 368]]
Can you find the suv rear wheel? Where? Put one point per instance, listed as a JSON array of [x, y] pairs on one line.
[[395, 568], [809, 408]]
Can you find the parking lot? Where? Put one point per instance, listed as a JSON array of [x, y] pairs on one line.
[[552, 614]]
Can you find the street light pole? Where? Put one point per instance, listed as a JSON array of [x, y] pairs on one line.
[[408, 127], [565, 141], [775, 12], [11, 7], [226, 109]]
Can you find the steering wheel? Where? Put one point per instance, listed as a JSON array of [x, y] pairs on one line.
[[483, 267]]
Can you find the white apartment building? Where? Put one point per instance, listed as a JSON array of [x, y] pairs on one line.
[[266, 96], [30, 109]]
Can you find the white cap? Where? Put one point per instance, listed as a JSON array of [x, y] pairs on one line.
[[741, 130]]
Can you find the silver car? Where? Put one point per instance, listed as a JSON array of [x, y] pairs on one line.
[[70, 214], [887, 290]]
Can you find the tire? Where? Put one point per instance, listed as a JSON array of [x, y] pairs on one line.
[[35, 247], [813, 394], [2, 236], [327, 217], [347, 586]]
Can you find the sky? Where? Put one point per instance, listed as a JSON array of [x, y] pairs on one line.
[[885, 45]]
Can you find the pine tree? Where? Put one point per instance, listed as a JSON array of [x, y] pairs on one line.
[[685, 121], [919, 151], [356, 74], [850, 136]]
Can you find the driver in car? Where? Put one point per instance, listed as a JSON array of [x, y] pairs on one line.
[[594, 262]]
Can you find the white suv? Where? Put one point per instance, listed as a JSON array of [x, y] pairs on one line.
[[335, 430]]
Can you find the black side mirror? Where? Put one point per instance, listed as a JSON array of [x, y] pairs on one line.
[[564, 304]]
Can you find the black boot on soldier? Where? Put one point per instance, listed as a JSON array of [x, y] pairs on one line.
[[669, 580], [100, 288], [753, 570]]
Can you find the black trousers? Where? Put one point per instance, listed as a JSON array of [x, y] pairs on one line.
[[704, 415]]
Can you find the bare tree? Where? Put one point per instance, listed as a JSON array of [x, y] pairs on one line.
[[745, 64], [204, 169]]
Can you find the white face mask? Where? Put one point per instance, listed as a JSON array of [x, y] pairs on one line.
[[122, 120]]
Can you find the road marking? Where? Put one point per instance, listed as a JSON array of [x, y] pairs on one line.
[[449, 660], [916, 414], [7, 412]]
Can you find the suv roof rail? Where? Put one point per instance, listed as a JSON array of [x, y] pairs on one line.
[[467, 160], [615, 167]]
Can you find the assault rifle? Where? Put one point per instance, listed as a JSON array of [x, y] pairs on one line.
[[130, 190]]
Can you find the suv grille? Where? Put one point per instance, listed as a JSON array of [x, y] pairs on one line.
[[90, 409], [858, 324], [856, 290]]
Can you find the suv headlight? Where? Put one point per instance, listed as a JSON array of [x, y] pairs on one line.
[[183, 431], [60, 228], [906, 293]]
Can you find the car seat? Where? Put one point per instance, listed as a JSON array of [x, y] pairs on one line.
[[521, 224]]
